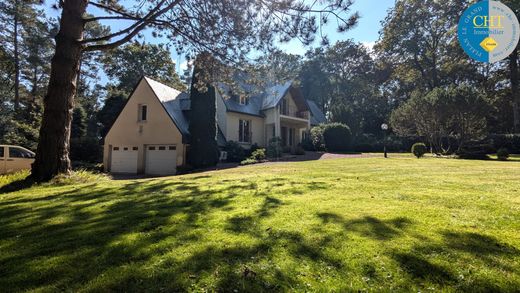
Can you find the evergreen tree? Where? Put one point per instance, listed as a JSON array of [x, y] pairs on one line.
[[79, 123], [203, 150], [128, 64]]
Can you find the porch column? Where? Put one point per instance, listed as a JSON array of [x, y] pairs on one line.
[[277, 124]]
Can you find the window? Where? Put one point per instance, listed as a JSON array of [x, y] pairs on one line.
[[125, 149], [19, 153], [1, 151], [244, 100], [284, 107], [135, 148], [151, 148], [162, 148], [244, 131], [115, 148], [143, 112], [172, 148]]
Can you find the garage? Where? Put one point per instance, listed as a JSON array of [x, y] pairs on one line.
[[124, 159], [161, 159]]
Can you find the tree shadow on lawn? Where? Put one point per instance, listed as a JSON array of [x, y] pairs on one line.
[[486, 250], [151, 236], [73, 239], [70, 238]]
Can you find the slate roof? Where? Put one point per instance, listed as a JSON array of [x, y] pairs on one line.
[[176, 104], [173, 102], [258, 102], [317, 116]]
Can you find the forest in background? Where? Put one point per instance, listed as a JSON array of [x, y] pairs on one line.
[[416, 77]]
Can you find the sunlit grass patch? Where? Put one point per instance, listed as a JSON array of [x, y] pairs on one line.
[[397, 224]]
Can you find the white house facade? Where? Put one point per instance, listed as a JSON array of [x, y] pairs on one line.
[[151, 134]]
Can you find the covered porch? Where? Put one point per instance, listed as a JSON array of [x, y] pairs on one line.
[[290, 130]]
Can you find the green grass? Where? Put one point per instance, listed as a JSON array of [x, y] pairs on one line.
[[400, 224]]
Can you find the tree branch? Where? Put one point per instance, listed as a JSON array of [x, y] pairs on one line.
[[132, 30]]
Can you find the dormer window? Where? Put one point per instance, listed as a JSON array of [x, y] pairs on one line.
[[244, 100], [143, 112]]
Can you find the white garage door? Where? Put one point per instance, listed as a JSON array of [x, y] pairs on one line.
[[124, 159], [161, 160]]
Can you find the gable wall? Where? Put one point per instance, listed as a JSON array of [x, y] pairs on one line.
[[128, 131]]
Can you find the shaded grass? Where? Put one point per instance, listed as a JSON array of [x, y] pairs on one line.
[[399, 224]]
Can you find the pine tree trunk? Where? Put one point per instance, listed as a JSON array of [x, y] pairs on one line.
[[515, 90], [52, 156], [16, 57]]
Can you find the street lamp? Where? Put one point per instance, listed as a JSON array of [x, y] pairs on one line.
[[384, 127]]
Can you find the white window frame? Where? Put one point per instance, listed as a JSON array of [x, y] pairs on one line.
[[241, 131], [243, 100], [140, 113]]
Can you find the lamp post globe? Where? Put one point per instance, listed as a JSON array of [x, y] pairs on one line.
[[384, 127]]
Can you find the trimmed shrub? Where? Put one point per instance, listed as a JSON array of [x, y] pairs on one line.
[[419, 149], [235, 152], [252, 149], [476, 150], [317, 137], [337, 137], [503, 154], [274, 149], [258, 155], [286, 149]]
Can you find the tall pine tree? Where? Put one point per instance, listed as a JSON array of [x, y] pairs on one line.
[[203, 150]]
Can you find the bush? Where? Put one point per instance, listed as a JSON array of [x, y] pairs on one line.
[[86, 149], [235, 152], [298, 151], [307, 144], [509, 141], [258, 155], [252, 149], [503, 154], [476, 150], [419, 149], [337, 137], [249, 161], [316, 138], [274, 149]]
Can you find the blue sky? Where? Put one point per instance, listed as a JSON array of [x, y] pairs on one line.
[[367, 31]]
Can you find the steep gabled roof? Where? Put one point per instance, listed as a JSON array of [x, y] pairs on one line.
[[262, 99], [317, 116], [274, 94], [171, 99]]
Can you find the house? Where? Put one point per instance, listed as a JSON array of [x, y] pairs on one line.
[[151, 134]]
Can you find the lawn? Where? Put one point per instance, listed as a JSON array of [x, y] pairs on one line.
[[400, 224]]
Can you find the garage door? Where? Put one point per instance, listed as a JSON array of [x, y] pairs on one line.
[[161, 160], [124, 159]]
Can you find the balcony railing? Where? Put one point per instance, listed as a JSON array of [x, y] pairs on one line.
[[294, 112]]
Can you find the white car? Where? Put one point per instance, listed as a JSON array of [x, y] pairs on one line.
[[15, 158]]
